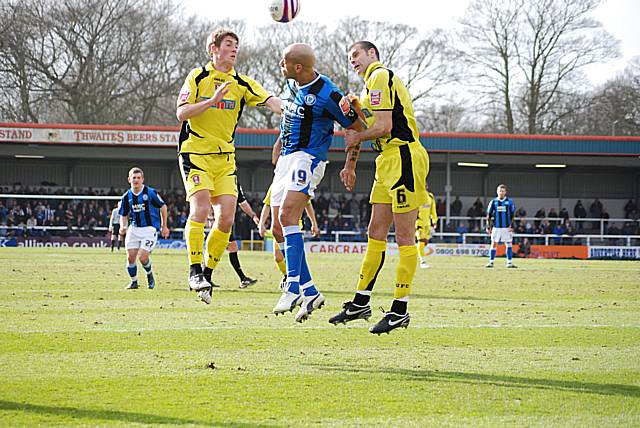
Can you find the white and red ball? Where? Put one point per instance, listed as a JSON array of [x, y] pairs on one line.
[[284, 10]]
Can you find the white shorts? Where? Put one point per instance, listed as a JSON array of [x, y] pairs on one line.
[[297, 172], [143, 238], [501, 234]]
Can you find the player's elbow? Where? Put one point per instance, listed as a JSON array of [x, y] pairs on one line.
[[181, 114]]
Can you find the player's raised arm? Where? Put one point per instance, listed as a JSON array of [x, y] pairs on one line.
[[187, 111], [350, 105]]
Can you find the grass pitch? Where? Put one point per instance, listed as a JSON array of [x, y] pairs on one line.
[[554, 343]]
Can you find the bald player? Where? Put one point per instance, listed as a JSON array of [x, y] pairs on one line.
[[310, 108]]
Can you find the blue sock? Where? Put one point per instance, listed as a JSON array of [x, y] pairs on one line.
[[293, 254], [147, 267], [509, 253], [493, 255], [133, 271], [306, 283]]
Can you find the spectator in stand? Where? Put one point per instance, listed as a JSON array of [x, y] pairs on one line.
[[520, 215], [31, 226], [553, 215], [540, 214], [456, 209], [630, 208], [564, 215], [471, 212], [461, 230], [558, 230], [441, 208], [595, 211], [579, 212], [605, 220], [524, 249]]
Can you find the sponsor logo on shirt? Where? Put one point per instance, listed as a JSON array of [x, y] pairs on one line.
[[184, 95], [375, 97], [222, 104]]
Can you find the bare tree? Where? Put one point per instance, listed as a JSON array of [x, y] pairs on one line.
[[534, 52]]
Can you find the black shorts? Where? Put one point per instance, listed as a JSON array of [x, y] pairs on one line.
[[116, 231]]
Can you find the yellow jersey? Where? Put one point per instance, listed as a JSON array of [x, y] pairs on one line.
[[213, 131], [384, 91]]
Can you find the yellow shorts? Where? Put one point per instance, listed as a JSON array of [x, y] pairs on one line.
[[423, 231], [216, 173], [401, 178]]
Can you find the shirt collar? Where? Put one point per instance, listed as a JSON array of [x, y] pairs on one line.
[[371, 68], [211, 67]]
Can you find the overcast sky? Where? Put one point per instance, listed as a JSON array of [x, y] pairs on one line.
[[620, 17]]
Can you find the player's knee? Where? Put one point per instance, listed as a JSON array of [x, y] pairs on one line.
[[144, 259]]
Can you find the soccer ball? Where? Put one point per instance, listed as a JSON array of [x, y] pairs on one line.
[[284, 10]]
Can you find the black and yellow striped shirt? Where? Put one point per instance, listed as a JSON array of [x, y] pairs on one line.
[[384, 91], [213, 131]]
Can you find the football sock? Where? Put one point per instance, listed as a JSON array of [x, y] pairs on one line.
[[421, 246], [371, 264], [147, 267], [405, 271], [217, 242], [195, 269], [305, 279], [282, 266], [362, 298], [194, 235], [235, 262], [293, 254], [113, 243], [133, 271], [509, 253], [399, 306], [207, 272], [492, 255], [119, 242]]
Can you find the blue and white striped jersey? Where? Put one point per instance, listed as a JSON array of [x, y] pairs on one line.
[[144, 207], [309, 113], [502, 211]]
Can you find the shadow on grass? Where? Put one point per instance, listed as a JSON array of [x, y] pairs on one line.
[[497, 380], [113, 415]]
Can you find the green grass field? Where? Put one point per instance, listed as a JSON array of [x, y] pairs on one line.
[[554, 343]]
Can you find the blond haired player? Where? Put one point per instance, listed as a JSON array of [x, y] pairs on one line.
[[209, 106], [427, 219]]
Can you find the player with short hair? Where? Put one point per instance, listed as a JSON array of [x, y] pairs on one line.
[[500, 216], [232, 248], [209, 106], [311, 107], [427, 219], [114, 227], [399, 187], [148, 214]]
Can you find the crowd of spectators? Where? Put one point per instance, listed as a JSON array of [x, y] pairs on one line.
[[90, 217], [345, 213]]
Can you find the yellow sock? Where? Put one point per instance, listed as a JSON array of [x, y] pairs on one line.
[[194, 235], [421, 246], [405, 271], [372, 263], [282, 266], [217, 242]]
